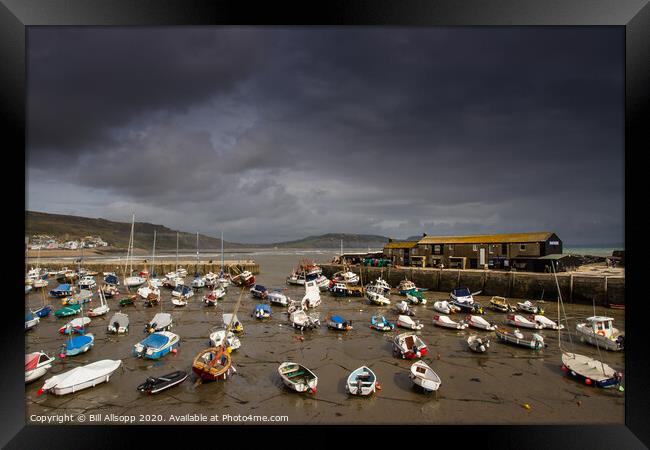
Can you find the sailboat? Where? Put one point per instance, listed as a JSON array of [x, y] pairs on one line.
[[44, 310], [132, 281], [197, 282], [102, 308], [584, 368], [215, 363], [151, 292], [224, 279]]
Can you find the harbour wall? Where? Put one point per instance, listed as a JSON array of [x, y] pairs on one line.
[[575, 288], [159, 268]]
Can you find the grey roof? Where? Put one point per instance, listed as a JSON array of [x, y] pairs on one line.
[[555, 256]]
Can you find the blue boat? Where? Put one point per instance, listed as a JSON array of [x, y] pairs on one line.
[[62, 290], [259, 291], [30, 321], [262, 311], [381, 323], [339, 323], [77, 345], [156, 345], [112, 279]]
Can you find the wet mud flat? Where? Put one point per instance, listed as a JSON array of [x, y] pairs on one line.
[[505, 385]]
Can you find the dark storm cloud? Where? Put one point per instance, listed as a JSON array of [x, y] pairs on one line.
[[279, 133]]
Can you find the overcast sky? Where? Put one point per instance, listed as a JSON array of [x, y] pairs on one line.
[[274, 134]]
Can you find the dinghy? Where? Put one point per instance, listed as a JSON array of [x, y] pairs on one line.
[[213, 364], [213, 296], [66, 311], [36, 365], [599, 331], [119, 323], [445, 321], [403, 308], [77, 325], [77, 345], [262, 311], [406, 322], [298, 377], [303, 321], [145, 291], [380, 323], [409, 346], [479, 322], [111, 279], [528, 307], [377, 299], [545, 322], [478, 344], [160, 322], [423, 376], [517, 338], [156, 345], [102, 308], [129, 300], [216, 338], [518, 320], [81, 377], [31, 321], [592, 372], [416, 298], [43, 311], [237, 326], [83, 296], [362, 381], [152, 300], [87, 283], [501, 305], [182, 292], [277, 298], [445, 307], [259, 291], [62, 290], [110, 291], [153, 385], [339, 323], [462, 295], [179, 301]]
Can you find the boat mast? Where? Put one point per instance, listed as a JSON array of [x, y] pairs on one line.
[[177, 251], [222, 271], [132, 227], [153, 256]]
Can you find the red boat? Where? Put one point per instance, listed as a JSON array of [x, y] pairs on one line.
[[245, 278], [409, 346], [213, 364]]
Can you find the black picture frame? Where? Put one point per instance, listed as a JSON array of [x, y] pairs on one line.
[[634, 16]]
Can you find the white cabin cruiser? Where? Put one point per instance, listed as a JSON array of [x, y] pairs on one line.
[[599, 331]]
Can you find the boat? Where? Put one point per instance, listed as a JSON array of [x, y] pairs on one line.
[[184, 292], [211, 298], [153, 385], [380, 323], [77, 345], [44, 310], [237, 326], [445, 307], [213, 364], [416, 297], [479, 322], [28, 289], [68, 310], [83, 296], [119, 323], [377, 299], [517, 338], [110, 290], [259, 291], [599, 330], [303, 321], [217, 338], [379, 285], [339, 289], [406, 322], [445, 321], [244, 278], [198, 283], [80, 378], [473, 308], [406, 286], [545, 322], [500, 304], [62, 290], [298, 377], [277, 298], [346, 276], [402, 307], [172, 281], [111, 279], [132, 280], [462, 295], [591, 371], [517, 320], [31, 320], [102, 308], [128, 300], [312, 294], [160, 322], [339, 323], [157, 345], [87, 282], [39, 283], [145, 291], [409, 346], [362, 381], [36, 365], [262, 311], [423, 376], [210, 280], [77, 325], [528, 307], [478, 344]]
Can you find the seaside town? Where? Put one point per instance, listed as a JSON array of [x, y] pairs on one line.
[[45, 242]]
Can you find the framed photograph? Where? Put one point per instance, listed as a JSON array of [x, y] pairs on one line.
[[410, 215]]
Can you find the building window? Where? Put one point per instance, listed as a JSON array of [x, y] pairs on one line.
[[437, 249], [475, 247], [450, 246], [491, 248], [522, 247]]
